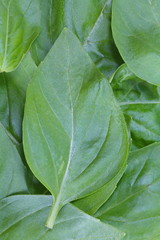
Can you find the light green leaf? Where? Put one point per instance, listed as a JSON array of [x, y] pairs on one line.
[[12, 94], [141, 101], [75, 136], [136, 31], [89, 20], [12, 171], [134, 207], [22, 217], [20, 25]]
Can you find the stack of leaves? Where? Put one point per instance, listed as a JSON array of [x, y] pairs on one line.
[[79, 119]]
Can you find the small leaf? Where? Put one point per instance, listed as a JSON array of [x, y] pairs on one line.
[[134, 207], [75, 137], [141, 101], [12, 171], [136, 33], [89, 20], [20, 25], [22, 217]]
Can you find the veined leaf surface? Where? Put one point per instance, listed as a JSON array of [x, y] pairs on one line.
[[134, 207], [22, 217], [19, 26], [75, 137], [136, 33], [141, 101], [90, 20]]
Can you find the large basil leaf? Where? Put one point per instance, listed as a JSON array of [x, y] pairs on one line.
[[141, 101], [75, 137], [20, 25], [89, 20], [136, 32], [22, 217], [134, 207], [12, 171], [12, 94]]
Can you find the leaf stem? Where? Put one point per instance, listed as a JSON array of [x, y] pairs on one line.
[[53, 214]]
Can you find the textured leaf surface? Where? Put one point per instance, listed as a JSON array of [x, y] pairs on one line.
[[89, 20], [141, 101], [22, 217], [134, 207], [75, 137], [12, 171], [20, 25], [136, 32], [12, 94]]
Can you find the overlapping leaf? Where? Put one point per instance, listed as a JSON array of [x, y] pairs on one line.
[[12, 171], [20, 25], [12, 94], [89, 20], [141, 101], [75, 136], [22, 217], [134, 207], [136, 32]]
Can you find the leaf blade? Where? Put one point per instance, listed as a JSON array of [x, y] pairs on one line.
[[76, 99]]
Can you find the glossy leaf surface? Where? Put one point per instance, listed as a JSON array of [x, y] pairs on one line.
[[140, 101], [136, 32], [22, 217], [134, 207], [12, 94], [20, 25], [89, 20], [69, 98], [12, 171]]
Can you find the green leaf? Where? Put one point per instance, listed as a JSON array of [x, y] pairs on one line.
[[12, 94], [20, 25], [12, 171], [89, 20], [75, 137], [134, 207], [93, 202], [22, 217], [141, 101], [136, 33]]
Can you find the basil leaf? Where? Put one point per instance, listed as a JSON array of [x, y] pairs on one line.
[[134, 207], [12, 171], [20, 25], [141, 101], [89, 20], [22, 217], [75, 137], [136, 33], [12, 94]]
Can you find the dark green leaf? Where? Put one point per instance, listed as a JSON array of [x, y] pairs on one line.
[[12, 94], [135, 205], [22, 217], [75, 136], [136, 32], [89, 20], [141, 101]]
